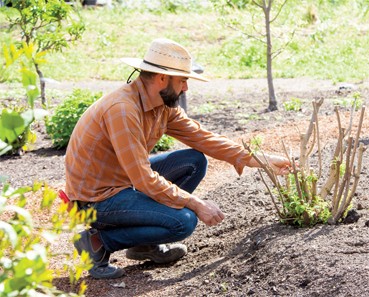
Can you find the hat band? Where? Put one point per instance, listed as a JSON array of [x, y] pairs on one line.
[[164, 67]]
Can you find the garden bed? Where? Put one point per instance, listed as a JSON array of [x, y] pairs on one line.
[[250, 252]]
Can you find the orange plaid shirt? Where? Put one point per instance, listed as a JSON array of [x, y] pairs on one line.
[[110, 145]]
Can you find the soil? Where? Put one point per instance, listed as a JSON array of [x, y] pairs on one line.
[[250, 253]]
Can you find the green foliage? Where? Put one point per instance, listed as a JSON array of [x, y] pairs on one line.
[[163, 6], [256, 143], [355, 101], [15, 124], [49, 25], [294, 104], [25, 247], [61, 124], [303, 209], [164, 144], [207, 107]]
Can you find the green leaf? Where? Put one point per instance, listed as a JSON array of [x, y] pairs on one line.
[[29, 81], [4, 147], [9, 231], [7, 56], [28, 117], [28, 50], [12, 125], [22, 212]]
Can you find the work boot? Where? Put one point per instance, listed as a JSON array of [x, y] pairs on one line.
[[161, 254], [99, 257]]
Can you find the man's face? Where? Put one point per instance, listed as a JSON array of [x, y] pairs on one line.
[[175, 88]]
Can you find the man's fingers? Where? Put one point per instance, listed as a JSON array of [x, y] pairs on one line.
[[221, 215], [215, 220]]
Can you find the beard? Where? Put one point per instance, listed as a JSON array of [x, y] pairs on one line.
[[169, 96]]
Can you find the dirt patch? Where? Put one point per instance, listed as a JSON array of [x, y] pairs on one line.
[[250, 252]]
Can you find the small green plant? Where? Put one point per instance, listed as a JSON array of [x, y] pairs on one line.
[[25, 247], [164, 144], [205, 108], [294, 104], [356, 102], [61, 124], [303, 207]]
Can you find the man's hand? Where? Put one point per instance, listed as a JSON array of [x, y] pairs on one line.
[[280, 165], [206, 210]]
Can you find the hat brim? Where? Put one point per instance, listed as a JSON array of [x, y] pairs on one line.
[[140, 64]]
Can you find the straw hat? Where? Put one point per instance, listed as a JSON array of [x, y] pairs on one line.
[[166, 57]]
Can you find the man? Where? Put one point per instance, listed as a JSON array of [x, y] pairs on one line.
[[144, 204]]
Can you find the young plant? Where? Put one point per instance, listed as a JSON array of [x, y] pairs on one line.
[[292, 105], [262, 15], [25, 247], [355, 102], [15, 123], [49, 25], [299, 200], [60, 126]]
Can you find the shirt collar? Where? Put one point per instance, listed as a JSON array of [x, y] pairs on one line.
[[148, 103]]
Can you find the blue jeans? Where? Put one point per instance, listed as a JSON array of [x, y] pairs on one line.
[[131, 218]]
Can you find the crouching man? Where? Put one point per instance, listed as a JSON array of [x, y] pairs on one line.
[[145, 204]]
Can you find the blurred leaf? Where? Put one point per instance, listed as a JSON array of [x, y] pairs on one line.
[[22, 212], [28, 50], [9, 231], [12, 125], [40, 113], [4, 147]]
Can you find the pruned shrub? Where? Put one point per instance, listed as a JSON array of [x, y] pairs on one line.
[[304, 198]]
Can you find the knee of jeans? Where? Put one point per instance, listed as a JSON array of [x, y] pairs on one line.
[[188, 223], [201, 161]]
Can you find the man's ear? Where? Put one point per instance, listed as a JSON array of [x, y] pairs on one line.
[[163, 79]]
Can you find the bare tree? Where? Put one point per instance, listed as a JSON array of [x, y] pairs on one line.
[[265, 37], [266, 6]]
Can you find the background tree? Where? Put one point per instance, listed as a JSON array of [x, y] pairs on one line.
[[47, 24], [250, 27]]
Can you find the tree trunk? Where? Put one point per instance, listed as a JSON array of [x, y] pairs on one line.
[[272, 98], [42, 85]]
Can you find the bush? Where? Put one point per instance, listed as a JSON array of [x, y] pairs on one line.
[[164, 144], [60, 126]]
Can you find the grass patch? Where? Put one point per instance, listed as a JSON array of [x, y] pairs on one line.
[[334, 47]]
